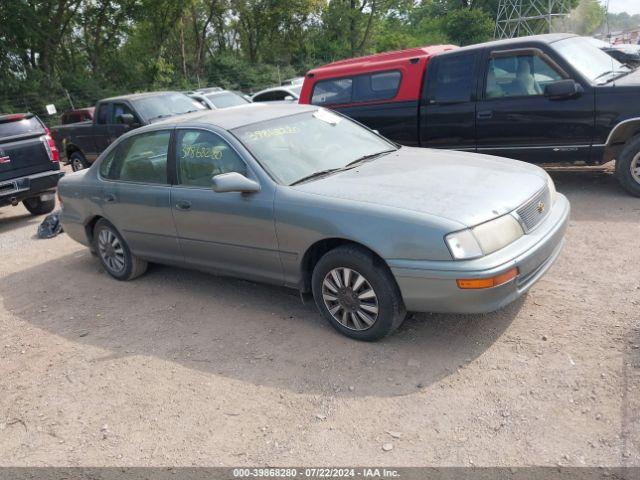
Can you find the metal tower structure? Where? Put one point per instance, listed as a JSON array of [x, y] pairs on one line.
[[517, 18]]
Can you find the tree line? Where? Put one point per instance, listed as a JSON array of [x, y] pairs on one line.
[[77, 51]]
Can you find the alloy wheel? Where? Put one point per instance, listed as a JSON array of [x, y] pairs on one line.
[[350, 298], [635, 168], [111, 251]]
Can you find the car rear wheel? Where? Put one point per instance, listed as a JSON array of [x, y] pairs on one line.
[[36, 206], [114, 253], [357, 294], [78, 162], [628, 166]]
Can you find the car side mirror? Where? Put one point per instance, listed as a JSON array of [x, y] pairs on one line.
[[562, 89], [234, 182], [289, 98], [128, 119]]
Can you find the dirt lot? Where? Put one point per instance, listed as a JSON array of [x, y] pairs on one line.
[[182, 368]]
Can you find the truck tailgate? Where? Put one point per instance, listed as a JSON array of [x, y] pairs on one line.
[[23, 148]]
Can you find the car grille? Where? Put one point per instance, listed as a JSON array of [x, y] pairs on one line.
[[535, 210]]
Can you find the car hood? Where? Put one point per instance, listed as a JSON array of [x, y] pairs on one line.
[[630, 80], [464, 187]]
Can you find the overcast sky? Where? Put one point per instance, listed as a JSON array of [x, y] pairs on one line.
[[629, 6]]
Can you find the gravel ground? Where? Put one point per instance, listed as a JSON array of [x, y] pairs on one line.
[[182, 368]]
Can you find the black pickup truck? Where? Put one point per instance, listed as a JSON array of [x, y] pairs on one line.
[[82, 142], [549, 99], [29, 167]]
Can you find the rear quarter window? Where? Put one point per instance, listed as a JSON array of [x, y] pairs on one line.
[[21, 127]]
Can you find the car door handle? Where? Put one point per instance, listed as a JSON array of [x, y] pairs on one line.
[[109, 198], [183, 205], [485, 114]]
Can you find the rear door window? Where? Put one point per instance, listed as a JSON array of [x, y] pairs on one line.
[[452, 78], [141, 158], [21, 126]]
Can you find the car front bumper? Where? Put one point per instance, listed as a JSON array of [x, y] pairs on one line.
[[430, 286]]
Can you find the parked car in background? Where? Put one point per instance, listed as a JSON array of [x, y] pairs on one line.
[[219, 99], [278, 94], [76, 116], [210, 89], [292, 81], [82, 143], [29, 163], [625, 53], [303, 197], [547, 99]]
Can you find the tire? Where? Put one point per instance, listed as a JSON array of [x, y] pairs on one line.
[[39, 207], [353, 302], [628, 166], [78, 162], [117, 260]]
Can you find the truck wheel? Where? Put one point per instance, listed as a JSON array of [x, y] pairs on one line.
[[114, 253], [78, 162], [628, 166], [357, 294], [39, 207]]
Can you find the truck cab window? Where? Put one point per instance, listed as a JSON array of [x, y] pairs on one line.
[[452, 79], [103, 113], [121, 109], [518, 76]]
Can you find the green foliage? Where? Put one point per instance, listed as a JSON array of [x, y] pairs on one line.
[[467, 26], [89, 49]]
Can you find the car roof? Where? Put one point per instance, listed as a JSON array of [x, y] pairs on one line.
[[511, 42], [137, 96], [384, 60], [240, 116]]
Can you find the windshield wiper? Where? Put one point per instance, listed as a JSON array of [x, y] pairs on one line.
[[363, 158], [321, 173], [357, 161], [612, 72]]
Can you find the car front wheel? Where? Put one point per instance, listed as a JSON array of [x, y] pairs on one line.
[[628, 166], [114, 253], [357, 294]]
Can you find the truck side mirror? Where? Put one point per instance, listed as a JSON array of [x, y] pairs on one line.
[[128, 119], [563, 89]]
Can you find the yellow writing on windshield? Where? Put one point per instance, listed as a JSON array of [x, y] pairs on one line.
[[271, 132]]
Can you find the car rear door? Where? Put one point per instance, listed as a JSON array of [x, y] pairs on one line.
[[23, 147], [136, 195], [516, 120], [448, 105]]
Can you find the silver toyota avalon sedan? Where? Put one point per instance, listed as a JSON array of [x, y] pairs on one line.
[[303, 197]]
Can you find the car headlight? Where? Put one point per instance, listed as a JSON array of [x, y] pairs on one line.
[[552, 189], [485, 238]]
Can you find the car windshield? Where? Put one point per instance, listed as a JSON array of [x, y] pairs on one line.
[[226, 99], [589, 60], [307, 145], [166, 105]]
